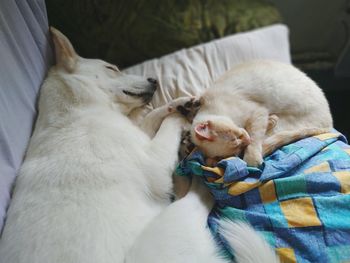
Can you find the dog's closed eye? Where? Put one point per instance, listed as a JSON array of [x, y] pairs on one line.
[[113, 68]]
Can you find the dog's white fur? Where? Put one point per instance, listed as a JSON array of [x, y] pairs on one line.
[[91, 179], [180, 234]]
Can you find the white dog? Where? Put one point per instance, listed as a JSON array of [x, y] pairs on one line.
[[91, 180]]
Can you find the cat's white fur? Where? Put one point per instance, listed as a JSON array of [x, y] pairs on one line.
[[248, 94]]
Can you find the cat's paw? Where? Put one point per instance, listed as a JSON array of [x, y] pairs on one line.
[[253, 157], [272, 122], [186, 145], [186, 106]]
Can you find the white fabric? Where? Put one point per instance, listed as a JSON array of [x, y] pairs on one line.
[[24, 56], [190, 71]]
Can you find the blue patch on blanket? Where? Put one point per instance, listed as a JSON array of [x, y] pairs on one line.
[[299, 200]]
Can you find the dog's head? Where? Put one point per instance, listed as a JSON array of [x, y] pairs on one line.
[[96, 81]]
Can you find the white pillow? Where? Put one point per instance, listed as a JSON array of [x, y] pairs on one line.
[[190, 71]]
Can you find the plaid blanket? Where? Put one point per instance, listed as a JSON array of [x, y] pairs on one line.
[[299, 200]]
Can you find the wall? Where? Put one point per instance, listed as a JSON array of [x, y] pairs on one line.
[[319, 29]]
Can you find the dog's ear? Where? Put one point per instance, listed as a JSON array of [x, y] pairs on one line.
[[66, 56], [203, 131]]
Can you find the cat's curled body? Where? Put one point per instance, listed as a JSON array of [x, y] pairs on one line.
[[243, 101]]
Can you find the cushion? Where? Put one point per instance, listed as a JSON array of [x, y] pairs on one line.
[[190, 71], [25, 56]]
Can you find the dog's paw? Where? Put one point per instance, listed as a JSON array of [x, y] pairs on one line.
[[186, 106], [253, 157]]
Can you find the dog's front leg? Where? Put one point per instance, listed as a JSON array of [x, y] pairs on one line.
[[187, 106], [163, 154], [153, 120]]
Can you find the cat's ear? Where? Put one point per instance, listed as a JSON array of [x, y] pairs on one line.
[[66, 57], [203, 131]]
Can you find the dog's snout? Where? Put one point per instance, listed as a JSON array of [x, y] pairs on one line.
[[152, 81]]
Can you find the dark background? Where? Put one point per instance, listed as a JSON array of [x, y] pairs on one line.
[[319, 37], [126, 32], [337, 90]]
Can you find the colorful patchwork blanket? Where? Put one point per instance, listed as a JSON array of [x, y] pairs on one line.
[[299, 200]]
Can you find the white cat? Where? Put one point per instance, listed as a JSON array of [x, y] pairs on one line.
[[235, 113]]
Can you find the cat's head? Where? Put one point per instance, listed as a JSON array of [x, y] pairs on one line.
[[219, 137]]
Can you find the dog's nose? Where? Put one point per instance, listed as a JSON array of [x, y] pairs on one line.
[[152, 81]]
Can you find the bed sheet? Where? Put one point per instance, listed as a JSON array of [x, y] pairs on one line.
[[25, 56]]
